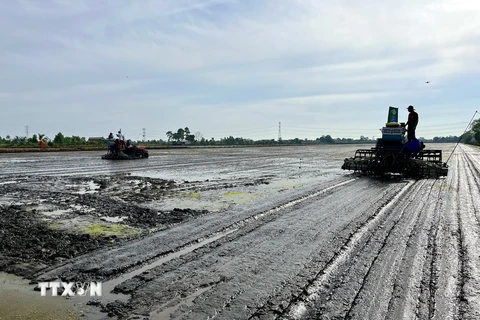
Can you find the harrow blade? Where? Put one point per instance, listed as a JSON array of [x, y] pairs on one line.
[[425, 169], [363, 161], [426, 164]]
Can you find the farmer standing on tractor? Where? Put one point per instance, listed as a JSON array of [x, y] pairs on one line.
[[412, 123], [121, 137]]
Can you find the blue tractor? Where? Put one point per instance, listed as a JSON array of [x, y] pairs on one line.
[[391, 156]]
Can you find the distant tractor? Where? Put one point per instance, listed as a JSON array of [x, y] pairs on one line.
[[130, 153], [387, 157]]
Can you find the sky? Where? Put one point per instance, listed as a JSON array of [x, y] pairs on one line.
[[243, 68]]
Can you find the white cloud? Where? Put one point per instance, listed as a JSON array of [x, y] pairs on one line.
[[74, 92], [248, 62]]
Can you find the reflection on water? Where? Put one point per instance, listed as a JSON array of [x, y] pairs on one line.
[[18, 300]]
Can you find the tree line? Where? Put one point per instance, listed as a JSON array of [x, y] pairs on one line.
[[183, 136], [34, 141]]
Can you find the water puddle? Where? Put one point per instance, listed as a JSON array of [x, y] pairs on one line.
[[10, 201], [113, 219], [7, 182], [16, 293], [84, 188], [55, 213], [48, 210], [18, 300]]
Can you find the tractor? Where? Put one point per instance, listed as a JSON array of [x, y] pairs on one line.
[[389, 156]]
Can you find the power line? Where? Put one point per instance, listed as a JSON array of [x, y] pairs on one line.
[[245, 130], [461, 137]]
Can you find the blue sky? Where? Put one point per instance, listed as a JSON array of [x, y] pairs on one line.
[[237, 67]]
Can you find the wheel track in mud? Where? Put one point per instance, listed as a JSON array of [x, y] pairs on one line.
[[49, 166], [465, 183], [429, 280], [105, 169], [427, 264], [421, 301], [345, 267], [420, 256], [300, 201], [224, 309], [383, 247], [453, 227], [122, 262]]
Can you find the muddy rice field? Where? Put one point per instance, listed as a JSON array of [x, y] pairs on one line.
[[238, 233]]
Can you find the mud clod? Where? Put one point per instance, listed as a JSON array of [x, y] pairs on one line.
[[68, 217]]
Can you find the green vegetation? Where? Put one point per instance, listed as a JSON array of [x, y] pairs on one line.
[[96, 230], [59, 141], [183, 136], [475, 130], [195, 195], [234, 194]]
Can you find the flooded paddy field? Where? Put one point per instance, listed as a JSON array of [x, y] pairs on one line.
[[239, 233]]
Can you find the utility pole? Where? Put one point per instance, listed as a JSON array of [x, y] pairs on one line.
[[279, 131], [26, 130], [144, 134]]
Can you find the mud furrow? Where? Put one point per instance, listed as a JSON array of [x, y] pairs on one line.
[[414, 275], [329, 287], [472, 162], [468, 195], [334, 247], [357, 300], [233, 260], [383, 255], [449, 262], [118, 260], [98, 166], [407, 252], [445, 262], [431, 284], [455, 185]]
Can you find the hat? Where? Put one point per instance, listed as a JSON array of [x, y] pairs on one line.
[[410, 108]]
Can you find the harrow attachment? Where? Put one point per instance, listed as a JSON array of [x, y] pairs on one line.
[[426, 164], [393, 154]]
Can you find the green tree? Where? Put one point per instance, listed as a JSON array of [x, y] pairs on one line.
[[476, 129], [179, 135], [19, 140], [169, 135], [467, 137], [329, 139], [190, 137], [33, 139], [59, 139]]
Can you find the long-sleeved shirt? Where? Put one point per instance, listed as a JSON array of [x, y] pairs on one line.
[[412, 120]]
